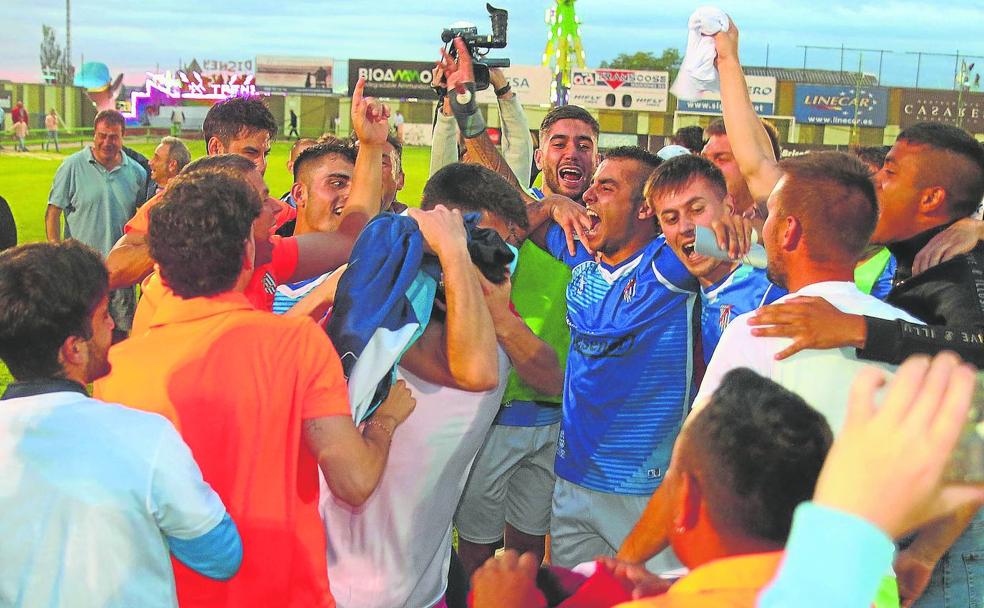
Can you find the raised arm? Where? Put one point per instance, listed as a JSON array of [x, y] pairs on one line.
[[321, 252], [517, 146], [749, 141], [461, 352]]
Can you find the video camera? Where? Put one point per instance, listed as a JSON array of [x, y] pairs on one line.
[[476, 44]]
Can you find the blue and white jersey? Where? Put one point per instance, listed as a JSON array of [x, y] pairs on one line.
[[289, 294], [628, 379], [744, 290]]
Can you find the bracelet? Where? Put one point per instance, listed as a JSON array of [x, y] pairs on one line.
[[379, 423], [503, 90]]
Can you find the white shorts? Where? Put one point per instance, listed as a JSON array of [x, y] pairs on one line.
[[587, 524], [512, 481]]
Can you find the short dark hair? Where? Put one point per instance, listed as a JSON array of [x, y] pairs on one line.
[[340, 147], [229, 162], [475, 188], [871, 155], [678, 172], [644, 157], [569, 112], [48, 292], [228, 119], [199, 229], [110, 118], [691, 138], [964, 181], [832, 195], [717, 128], [757, 450]]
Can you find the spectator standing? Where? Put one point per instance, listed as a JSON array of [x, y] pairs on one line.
[[293, 126], [98, 189], [177, 121], [51, 126], [20, 132]]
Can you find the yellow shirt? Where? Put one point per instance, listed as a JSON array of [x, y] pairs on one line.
[[730, 582]]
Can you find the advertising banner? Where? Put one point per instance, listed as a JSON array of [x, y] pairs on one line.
[[835, 105], [612, 89], [531, 83], [287, 74], [761, 89], [921, 105], [395, 79]]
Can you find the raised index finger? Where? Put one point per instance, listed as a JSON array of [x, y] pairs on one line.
[[358, 91]]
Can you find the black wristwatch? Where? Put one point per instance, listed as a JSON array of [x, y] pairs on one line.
[[503, 90]]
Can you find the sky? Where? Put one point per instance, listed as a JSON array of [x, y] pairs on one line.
[[134, 37]]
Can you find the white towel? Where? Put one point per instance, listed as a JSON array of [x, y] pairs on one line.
[[697, 72]]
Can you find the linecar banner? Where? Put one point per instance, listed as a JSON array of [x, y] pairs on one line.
[[394, 79], [835, 105], [612, 89], [921, 105]]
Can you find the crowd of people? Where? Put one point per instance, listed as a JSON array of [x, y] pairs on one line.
[[333, 399]]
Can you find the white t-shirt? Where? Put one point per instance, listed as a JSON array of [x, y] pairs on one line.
[[88, 490], [394, 550], [821, 377]]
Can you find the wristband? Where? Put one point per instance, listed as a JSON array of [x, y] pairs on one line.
[[503, 90], [465, 108]]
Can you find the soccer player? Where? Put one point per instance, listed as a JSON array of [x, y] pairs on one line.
[[686, 192], [509, 494], [627, 384]]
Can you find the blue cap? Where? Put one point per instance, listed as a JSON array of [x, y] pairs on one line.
[[94, 76]]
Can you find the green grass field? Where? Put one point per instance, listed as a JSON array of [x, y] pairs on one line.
[[25, 181]]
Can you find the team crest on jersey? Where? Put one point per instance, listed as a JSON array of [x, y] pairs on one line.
[[269, 284], [629, 292], [725, 316]]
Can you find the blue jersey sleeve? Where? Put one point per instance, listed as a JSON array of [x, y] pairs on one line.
[[883, 285], [216, 554], [668, 268], [556, 242]]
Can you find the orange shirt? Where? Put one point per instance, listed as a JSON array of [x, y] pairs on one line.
[[237, 383], [734, 582], [140, 222]]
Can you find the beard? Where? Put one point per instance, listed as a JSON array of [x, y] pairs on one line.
[[776, 272]]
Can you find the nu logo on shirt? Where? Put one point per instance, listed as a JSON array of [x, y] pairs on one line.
[[596, 346]]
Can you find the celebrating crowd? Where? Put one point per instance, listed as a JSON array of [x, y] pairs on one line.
[[331, 399]]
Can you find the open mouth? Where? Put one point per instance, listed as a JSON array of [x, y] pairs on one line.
[[570, 176], [595, 220], [690, 252]]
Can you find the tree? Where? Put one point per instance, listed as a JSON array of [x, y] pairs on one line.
[[55, 66], [644, 60]]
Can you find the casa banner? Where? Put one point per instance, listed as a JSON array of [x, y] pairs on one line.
[[530, 83], [835, 105], [613, 89], [949, 107], [393, 79], [761, 90]]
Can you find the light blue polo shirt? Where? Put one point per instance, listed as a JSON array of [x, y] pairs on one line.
[[97, 203]]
